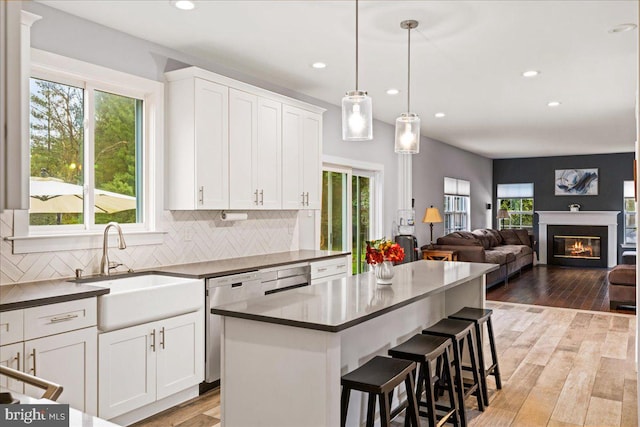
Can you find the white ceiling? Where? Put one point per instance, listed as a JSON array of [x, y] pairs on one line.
[[467, 60]]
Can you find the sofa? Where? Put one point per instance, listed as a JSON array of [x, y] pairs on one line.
[[622, 286], [512, 250]]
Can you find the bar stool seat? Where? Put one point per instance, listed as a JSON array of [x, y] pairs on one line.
[[459, 331], [378, 377], [424, 349], [480, 316]]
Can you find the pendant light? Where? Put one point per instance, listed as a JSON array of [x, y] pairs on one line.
[[408, 124], [357, 111]]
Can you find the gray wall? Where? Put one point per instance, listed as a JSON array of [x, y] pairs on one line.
[[613, 170], [436, 161], [74, 37]]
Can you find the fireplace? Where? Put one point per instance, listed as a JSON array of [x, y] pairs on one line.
[[577, 245]]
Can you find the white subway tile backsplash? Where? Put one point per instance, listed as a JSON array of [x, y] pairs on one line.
[[192, 236]]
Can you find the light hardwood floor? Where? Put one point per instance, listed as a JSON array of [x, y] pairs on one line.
[[560, 367]]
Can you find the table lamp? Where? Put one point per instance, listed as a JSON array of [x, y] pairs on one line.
[[431, 215], [502, 214]]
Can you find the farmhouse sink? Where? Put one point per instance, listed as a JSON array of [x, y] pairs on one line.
[[140, 299]]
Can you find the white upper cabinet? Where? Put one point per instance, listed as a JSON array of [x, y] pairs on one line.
[[301, 159], [255, 146], [230, 146], [198, 148]]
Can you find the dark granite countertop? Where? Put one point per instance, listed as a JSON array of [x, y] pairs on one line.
[[23, 295]]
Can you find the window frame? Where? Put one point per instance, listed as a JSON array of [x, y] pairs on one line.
[[625, 197], [465, 196], [521, 190], [60, 69]]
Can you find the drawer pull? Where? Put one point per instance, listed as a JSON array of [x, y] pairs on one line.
[[63, 318], [341, 266], [323, 269], [153, 340]]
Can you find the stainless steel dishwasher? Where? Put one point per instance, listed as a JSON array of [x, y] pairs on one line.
[[219, 291]]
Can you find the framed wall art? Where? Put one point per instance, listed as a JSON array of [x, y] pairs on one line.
[[576, 182]]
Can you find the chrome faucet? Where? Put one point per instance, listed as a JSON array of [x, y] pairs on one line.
[[105, 265]]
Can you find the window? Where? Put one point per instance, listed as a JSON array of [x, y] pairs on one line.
[[518, 200], [95, 138], [456, 205], [349, 211], [60, 147], [630, 209]]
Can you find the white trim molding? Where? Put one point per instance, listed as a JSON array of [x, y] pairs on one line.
[[595, 218]]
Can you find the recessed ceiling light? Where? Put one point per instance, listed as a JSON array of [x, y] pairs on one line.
[[530, 73], [439, 115], [319, 65], [554, 103], [623, 28], [392, 91], [184, 4]]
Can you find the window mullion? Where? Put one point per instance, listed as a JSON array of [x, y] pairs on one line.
[[89, 157]]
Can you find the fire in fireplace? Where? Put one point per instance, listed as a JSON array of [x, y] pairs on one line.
[[585, 247]]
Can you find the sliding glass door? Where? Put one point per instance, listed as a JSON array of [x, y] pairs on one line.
[[347, 212]]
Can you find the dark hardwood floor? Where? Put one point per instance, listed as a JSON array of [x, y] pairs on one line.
[[555, 286]]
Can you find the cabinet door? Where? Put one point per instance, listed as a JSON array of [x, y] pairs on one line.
[[268, 167], [311, 159], [11, 355], [127, 370], [68, 359], [180, 353], [211, 134], [292, 197], [243, 123]]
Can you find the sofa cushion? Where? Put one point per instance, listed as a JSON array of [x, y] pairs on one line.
[[623, 274], [498, 257], [497, 235], [510, 237], [523, 235], [516, 250], [487, 239], [463, 238]]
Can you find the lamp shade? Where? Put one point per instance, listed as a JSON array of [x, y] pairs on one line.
[[503, 214], [432, 215], [407, 134], [357, 116]]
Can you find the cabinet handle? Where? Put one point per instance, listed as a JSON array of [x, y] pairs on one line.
[[307, 198], [256, 194], [33, 354], [153, 340], [63, 318], [201, 195], [18, 360], [302, 199], [341, 266], [320, 270], [262, 197], [162, 337]]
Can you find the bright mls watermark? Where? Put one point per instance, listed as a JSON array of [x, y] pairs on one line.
[[34, 415]]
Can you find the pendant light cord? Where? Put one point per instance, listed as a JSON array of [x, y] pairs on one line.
[[409, 70], [356, 45]]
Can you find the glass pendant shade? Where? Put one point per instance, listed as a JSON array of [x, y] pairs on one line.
[[357, 116], [407, 134]]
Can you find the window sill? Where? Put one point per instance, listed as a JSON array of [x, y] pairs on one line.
[[628, 246], [67, 242]]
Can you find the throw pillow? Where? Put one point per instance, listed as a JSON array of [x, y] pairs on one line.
[[492, 240], [523, 235], [510, 237], [497, 235]]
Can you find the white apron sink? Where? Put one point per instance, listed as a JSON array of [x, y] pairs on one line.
[[141, 299]]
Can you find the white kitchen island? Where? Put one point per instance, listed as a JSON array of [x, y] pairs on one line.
[[283, 354]]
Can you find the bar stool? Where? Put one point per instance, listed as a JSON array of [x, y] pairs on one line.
[[480, 316], [423, 349], [378, 377], [458, 331]]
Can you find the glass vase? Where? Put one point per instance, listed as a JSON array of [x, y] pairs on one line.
[[384, 272]]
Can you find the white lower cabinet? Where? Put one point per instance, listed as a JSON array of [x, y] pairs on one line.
[[68, 359], [145, 363], [330, 269], [55, 342]]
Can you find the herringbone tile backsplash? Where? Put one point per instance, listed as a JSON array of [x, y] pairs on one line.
[[192, 236]]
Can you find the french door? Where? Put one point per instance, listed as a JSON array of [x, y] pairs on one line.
[[347, 216]]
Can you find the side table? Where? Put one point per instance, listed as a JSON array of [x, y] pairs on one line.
[[439, 255]]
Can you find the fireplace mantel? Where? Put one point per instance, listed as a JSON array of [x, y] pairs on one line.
[[606, 218]]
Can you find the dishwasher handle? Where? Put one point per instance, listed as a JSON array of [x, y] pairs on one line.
[[286, 288]]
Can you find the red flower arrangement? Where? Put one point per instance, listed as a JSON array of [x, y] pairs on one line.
[[383, 250]]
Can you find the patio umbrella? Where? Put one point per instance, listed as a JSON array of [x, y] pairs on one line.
[[52, 195]]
